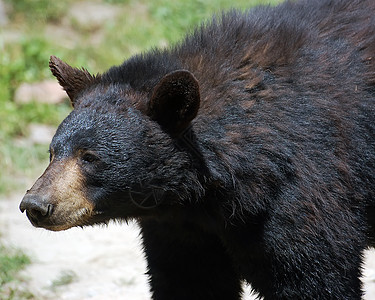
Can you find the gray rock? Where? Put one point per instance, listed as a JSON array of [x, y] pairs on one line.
[[3, 15], [48, 91], [41, 134], [90, 15]]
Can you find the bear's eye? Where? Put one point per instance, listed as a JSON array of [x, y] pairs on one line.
[[89, 157]]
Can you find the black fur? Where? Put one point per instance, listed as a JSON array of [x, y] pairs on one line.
[[271, 181]]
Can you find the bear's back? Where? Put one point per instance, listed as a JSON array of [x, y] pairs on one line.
[[284, 90]]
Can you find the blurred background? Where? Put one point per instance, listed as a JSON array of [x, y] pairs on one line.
[[77, 264]]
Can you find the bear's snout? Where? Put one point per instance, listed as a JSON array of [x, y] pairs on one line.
[[58, 201], [37, 208]]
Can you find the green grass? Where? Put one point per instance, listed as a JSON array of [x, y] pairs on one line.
[[65, 277], [42, 10], [11, 262]]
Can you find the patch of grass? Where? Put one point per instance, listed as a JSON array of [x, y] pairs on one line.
[[66, 277], [11, 261], [38, 10], [15, 293], [26, 61], [20, 158], [14, 118]]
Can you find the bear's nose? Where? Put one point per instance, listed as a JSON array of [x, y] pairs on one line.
[[36, 208]]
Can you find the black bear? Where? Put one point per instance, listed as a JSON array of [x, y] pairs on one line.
[[246, 152]]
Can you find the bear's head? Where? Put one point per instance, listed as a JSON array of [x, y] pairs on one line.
[[117, 154]]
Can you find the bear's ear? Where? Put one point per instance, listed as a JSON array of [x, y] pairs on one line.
[[175, 101], [73, 80]]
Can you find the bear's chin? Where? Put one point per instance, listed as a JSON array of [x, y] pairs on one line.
[[76, 219]]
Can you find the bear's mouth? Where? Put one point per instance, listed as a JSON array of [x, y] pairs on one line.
[[79, 218]]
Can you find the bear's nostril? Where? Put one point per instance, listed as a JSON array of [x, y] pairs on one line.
[[36, 206], [49, 210]]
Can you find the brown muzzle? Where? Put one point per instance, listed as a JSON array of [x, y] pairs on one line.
[[57, 200]]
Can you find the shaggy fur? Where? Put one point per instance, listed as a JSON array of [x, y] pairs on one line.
[[245, 152]]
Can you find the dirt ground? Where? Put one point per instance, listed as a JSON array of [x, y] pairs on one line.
[[94, 263]]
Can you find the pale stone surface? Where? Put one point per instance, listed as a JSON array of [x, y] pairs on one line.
[[48, 91], [3, 14], [91, 15], [41, 134]]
